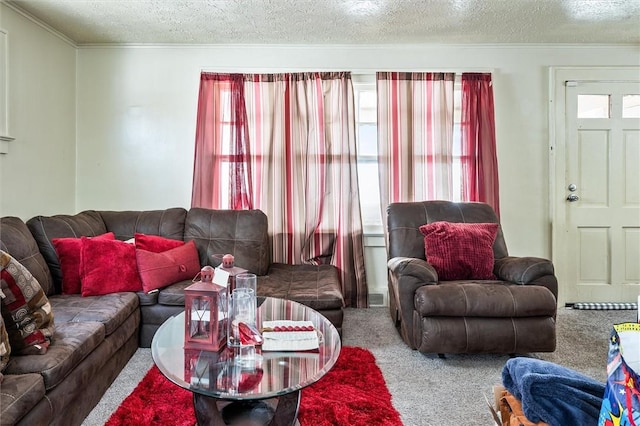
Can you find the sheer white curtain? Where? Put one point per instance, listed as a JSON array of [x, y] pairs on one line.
[[415, 136]]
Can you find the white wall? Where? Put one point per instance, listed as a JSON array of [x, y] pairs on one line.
[[137, 114], [137, 108], [37, 175]]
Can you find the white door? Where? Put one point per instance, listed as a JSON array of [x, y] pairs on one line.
[[597, 191]]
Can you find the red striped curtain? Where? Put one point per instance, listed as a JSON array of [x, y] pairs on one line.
[[222, 144], [299, 163], [479, 160], [415, 136]]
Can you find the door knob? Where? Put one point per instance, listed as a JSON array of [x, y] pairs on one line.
[[572, 198]]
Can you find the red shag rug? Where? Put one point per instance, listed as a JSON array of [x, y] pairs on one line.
[[352, 393]]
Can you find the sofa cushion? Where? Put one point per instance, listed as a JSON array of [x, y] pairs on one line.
[[167, 223], [460, 251], [20, 393], [242, 233], [25, 308], [484, 299], [147, 299], [158, 270], [45, 228], [110, 309], [173, 295], [108, 267], [16, 239], [155, 243], [68, 251], [316, 286], [71, 343]]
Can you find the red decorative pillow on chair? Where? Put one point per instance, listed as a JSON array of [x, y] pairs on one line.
[[155, 243], [460, 251], [108, 266], [68, 250], [158, 270]]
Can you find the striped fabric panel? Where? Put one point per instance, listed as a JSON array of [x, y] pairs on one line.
[[301, 159], [305, 149], [479, 159], [208, 144], [415, 136]]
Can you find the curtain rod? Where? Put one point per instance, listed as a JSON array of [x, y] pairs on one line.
[[266, 70]]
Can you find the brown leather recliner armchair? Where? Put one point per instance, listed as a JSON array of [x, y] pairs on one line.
[[513, 314]]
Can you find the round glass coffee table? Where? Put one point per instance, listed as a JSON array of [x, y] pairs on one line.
[[228, 389]]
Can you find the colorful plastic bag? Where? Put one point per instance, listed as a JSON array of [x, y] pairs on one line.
[[621, 403]]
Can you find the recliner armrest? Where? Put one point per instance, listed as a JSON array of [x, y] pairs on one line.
[[522, 270], [410, 266]]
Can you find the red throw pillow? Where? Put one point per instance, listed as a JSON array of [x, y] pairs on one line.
[[68, 250], [460, 251], [158, 270], [155, 243], [108, 266]]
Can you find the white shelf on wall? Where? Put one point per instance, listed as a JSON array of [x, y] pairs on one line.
[[4, 144], [4, 138]]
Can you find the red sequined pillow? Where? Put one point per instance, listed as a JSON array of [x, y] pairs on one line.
[[68, 251], [108, 266], [460, 251], [25, 308]]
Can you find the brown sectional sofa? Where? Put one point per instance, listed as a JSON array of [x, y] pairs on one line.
[[95, 336]]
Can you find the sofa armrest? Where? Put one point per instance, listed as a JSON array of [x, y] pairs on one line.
[[406, 275], [522, 270], [410, 266]]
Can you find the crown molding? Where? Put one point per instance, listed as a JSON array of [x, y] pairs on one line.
[[396, 46], [39, 23]]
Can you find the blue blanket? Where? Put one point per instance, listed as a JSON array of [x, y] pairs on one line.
[[552, 393]]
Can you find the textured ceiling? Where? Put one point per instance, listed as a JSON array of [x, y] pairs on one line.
[[339, 21]]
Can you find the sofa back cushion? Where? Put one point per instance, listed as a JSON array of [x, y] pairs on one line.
[[16, 239], [45, 228], [167, 223], [405, 219], [242, 233]]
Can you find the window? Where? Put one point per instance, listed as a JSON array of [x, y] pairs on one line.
[[365, 98], [364, 86], [593, 106], [225, 127], [631, 106]]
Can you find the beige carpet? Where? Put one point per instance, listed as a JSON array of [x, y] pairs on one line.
[[427, 390]]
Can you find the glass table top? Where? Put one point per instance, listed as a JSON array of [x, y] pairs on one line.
[[223, 375]]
